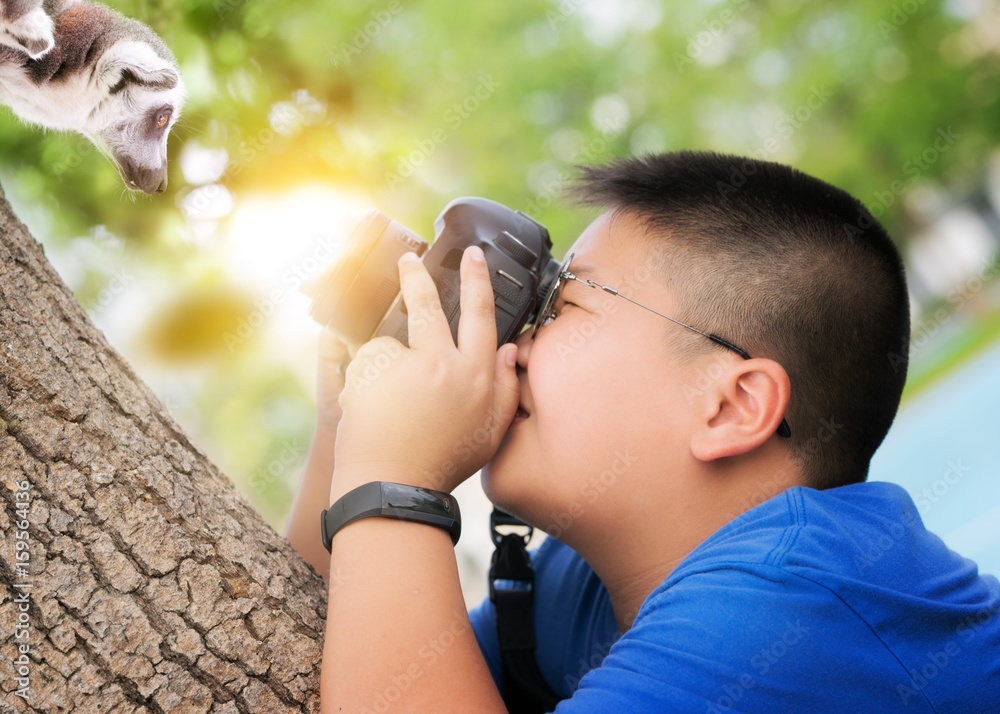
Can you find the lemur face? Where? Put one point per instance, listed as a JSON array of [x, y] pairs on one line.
[[144, 96]]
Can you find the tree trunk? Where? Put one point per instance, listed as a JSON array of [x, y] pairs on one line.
[[133, 576]]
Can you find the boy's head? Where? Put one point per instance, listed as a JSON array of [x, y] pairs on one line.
[[787, 268]]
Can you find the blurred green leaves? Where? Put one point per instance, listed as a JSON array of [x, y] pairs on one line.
[[386, 99]]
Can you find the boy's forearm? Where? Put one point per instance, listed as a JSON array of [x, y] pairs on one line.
[[313, 494], [397, 626]]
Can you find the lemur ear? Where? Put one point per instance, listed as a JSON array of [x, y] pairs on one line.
[[135, 63], [165, 78]]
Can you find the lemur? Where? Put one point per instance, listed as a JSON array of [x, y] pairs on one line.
[[81, 66]]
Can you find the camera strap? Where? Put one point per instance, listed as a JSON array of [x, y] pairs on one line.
[[512, 593]]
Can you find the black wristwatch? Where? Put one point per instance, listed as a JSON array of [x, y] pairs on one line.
[[392, 500]]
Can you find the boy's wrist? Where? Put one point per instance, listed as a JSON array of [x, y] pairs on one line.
[[347, 478]]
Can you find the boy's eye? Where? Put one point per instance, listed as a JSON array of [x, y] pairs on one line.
[[552, 314]]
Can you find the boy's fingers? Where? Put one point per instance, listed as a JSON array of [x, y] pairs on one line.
[[425, 320], [506, 390], [333, 351], [477, 329]]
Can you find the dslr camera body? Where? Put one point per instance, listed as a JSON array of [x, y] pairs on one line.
[[359, 298]]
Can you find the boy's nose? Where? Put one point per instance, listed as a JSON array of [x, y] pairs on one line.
[[523, 343]]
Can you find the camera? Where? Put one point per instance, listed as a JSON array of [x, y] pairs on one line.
[[358, 297]]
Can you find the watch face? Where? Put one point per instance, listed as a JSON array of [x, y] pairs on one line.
[[408, 498], [392, 500]]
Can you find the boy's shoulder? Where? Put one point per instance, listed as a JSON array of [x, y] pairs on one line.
[[846, 529], [843, 539], [866, 533], [807, 586], [863, 546]]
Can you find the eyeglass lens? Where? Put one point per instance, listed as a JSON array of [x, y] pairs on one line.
[[551, 296]]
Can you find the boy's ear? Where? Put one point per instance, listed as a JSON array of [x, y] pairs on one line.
[[741, 410]]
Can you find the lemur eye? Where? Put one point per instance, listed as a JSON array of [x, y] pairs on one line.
[[161, 119]]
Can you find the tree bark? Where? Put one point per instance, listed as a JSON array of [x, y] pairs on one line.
[[147, 583]]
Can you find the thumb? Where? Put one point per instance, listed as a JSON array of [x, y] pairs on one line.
[[506, 389]]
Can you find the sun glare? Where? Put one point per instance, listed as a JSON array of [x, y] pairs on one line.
[[280, 241], [274, 244]]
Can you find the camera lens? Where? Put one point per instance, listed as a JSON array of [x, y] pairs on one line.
[[354, 294]]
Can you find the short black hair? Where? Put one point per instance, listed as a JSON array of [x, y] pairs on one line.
[[786, 267]]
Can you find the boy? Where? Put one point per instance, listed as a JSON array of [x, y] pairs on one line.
[[699, 442]]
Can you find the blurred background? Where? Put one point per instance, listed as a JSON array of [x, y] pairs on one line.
[[300, 120]]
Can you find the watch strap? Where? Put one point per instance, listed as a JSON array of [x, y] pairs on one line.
[[392, 500]]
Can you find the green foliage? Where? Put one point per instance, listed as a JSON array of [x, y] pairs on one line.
[[724, 75], [413, 103]]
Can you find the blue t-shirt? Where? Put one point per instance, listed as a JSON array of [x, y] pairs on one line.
[[814, 601]]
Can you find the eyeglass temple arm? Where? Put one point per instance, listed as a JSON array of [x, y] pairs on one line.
[[609, 289], [783, 429]]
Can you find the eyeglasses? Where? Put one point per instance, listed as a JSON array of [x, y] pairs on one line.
[[564, 274]]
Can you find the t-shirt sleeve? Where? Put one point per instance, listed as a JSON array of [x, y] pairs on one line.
[[732, 640]]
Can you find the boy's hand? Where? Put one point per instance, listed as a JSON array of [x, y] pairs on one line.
[[432, 414]]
